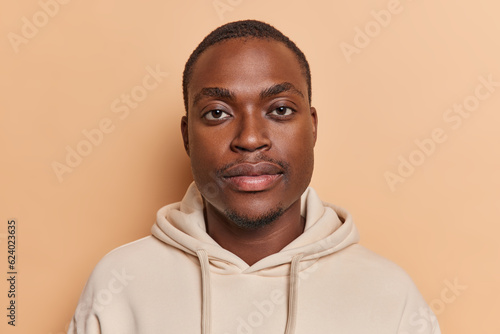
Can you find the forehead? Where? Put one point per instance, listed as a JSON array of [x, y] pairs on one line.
[[246, 65]]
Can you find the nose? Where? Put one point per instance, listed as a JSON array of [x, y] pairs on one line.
[[252, 134]]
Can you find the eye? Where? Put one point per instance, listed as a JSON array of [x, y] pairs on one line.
[[216, 114], [282, 111]]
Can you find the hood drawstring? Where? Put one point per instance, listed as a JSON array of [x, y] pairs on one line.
[[205, 280], [292, 292]]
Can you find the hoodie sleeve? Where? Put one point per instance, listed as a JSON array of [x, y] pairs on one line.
[[417, 317], [85, 319], [84, 325], [104, 305]]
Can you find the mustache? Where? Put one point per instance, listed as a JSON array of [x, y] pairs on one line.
[[223, 171]]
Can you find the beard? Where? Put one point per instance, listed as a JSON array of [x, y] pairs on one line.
[[253, 223]]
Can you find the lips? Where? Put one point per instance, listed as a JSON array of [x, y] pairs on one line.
[[250, 177]]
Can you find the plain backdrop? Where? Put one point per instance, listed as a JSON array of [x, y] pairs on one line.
[[408, 136]]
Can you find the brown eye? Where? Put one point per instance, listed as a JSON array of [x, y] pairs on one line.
[[282, 111], [216, 114]]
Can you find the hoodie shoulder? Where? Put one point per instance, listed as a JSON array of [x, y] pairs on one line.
[[376, 266], [123, 260], [138, 256], [132, 251], [387, 287], [119, 281]]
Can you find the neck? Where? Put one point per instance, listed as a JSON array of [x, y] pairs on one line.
[[252, 245]]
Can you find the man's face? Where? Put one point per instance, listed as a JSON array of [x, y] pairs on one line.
[[250, 132]]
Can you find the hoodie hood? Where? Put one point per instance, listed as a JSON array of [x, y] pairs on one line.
[[328, 229]]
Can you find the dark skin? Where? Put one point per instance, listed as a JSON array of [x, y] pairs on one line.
[[250, 135]]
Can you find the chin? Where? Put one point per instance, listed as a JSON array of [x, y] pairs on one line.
[[252, 222]]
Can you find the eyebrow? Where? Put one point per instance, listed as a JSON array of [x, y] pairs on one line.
[[224, 93], [217, 92], [280, 88]]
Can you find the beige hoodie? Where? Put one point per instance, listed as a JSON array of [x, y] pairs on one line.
[[179, 280]]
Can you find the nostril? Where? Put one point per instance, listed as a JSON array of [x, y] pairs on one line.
[[251, 148]]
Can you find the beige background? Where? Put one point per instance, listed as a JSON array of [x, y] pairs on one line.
[[58, 79]]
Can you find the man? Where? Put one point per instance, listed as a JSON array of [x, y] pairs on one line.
[[250, 249]]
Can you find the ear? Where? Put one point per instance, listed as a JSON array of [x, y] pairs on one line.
[[314, 119], [185, 133]]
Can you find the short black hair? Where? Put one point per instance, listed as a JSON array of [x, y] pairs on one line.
[[243, 29]]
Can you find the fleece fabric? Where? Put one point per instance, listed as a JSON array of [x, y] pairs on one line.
[[179, 280]]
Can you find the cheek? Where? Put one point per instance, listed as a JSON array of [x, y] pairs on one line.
[[203, 170], [202, 165], [299, 154], [297, 144], [206, 152]]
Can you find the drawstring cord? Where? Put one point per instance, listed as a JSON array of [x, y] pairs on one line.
[[293, 294], [205, 278]]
